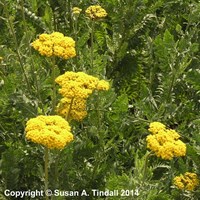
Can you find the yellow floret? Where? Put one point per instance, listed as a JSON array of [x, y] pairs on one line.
[[154, 127], [189, 181], [165, 142], [55, 44], [76, 10], [96, 12], [72, 108], [49, 131], [103, 85], [76, 87]]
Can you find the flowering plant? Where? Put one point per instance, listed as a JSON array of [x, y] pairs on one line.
[[55, 44], [75, 89], [165, 142]]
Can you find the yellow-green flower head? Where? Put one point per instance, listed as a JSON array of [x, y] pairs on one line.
[[76, 10], [96, 12], [188, 181], [165, 143], [55, 44], [49, 131]]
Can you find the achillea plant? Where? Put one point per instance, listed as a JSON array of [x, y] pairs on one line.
[[75, 89], [95, 12], [55, 44], [76, 10], [188, 181], [49, 131], [165, 142]]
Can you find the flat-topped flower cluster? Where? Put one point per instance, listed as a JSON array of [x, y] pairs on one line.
[[49, 131], [96, 12], [188, 181], [55, 44], [164, 142], [76, 87]]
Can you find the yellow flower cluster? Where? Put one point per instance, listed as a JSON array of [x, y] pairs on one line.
[[55, 44], [75, 89], [49, 131], [96, 12], [76, 10], [165, 142], [189, 181], [72, 108], [155, 127]]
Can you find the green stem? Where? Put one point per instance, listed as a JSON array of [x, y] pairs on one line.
[[70, 108], [98, 114], [171, 85], [100, 136], [92, 45], [75, 27], [53, 75], [56, 175], [76, 30], [70, 17], [46, 170], [170, 174]]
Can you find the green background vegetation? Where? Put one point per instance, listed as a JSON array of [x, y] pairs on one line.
[[148, 50]]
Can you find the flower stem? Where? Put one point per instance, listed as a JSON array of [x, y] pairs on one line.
[[46, 170], [98, 114], [53, 75], [75, 30], [173, 80], [56, 172], [70, 108], [69, 18], [92, 45]]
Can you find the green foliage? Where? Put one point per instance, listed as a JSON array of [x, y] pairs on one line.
[[139, 182], [149, 52], [10, 169]]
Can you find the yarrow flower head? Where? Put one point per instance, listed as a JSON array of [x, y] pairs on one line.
[[79, 84], [155, 127], [55, 44], [76, 87], [72, 108], [76, 10], [49, 131], [165, 143], [188, 181], [96, 12]]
